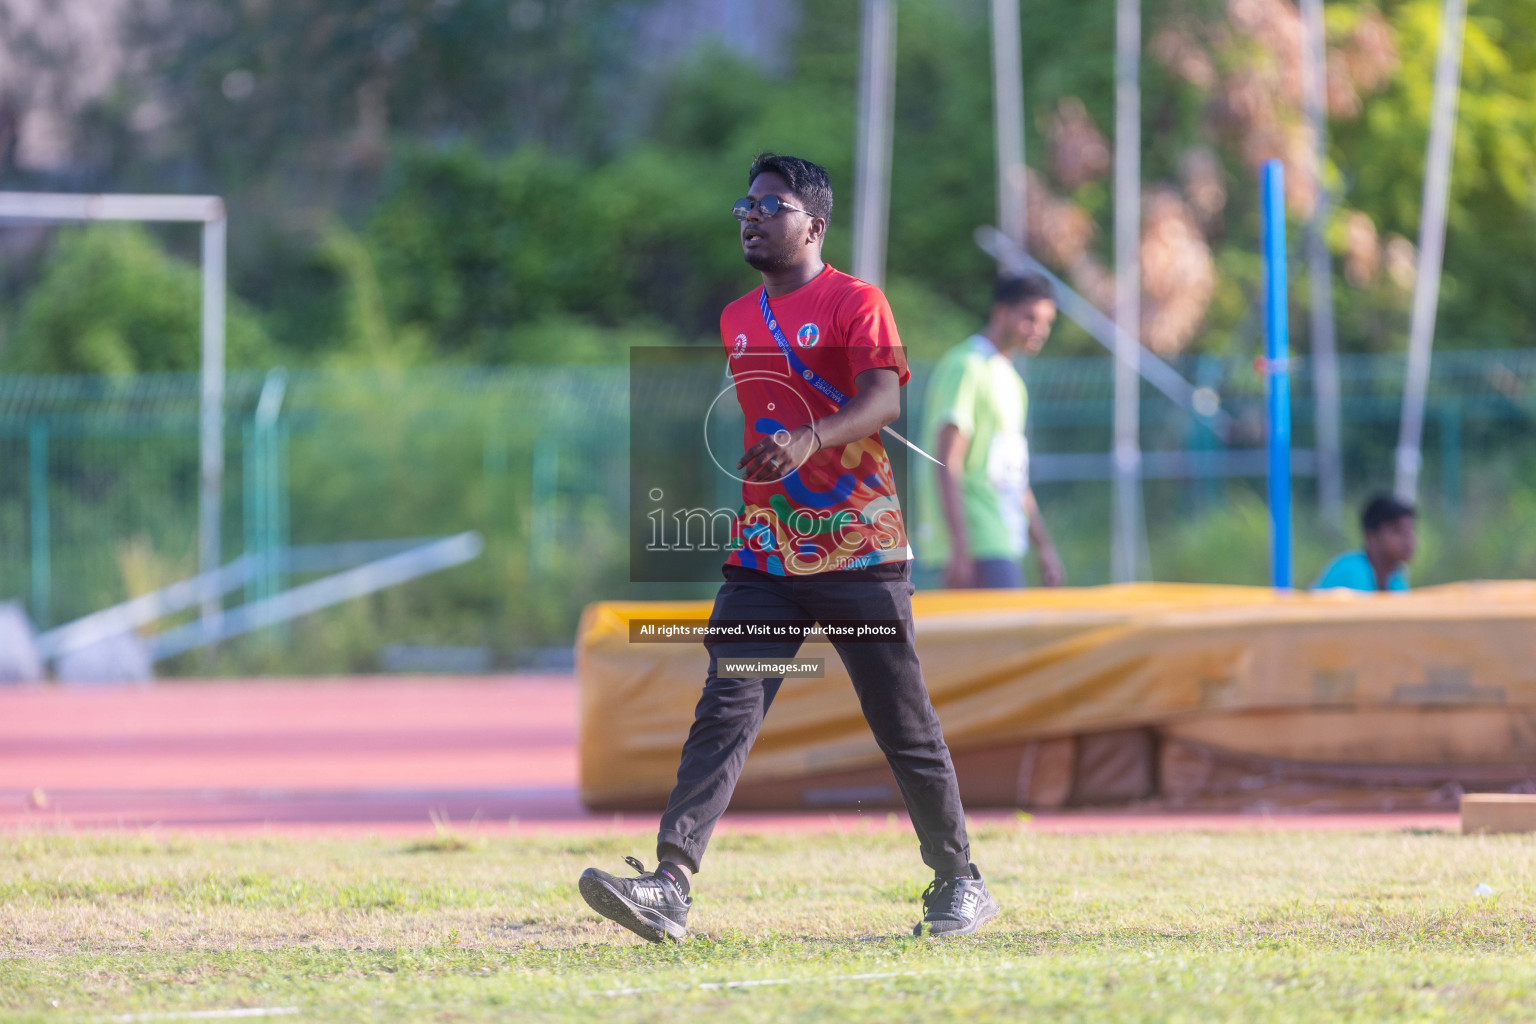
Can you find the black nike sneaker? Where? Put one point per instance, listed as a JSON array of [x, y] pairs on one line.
[[650, 905], [956, 906]]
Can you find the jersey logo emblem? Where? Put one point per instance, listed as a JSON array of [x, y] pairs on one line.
[[740, 346], [809, 335]]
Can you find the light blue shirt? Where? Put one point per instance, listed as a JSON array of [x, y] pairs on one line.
[[1352, 571]]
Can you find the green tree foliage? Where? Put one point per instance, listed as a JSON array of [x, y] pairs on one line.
[[520, 173], [111, 301], [475, 245], [1489, 295], [306, 87], [477, 249]]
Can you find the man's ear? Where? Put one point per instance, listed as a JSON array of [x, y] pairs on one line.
[[817, 231]]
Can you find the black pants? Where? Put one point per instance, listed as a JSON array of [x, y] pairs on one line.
[[889, 684]]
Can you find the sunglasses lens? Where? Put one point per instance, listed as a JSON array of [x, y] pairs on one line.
[[768, 206]]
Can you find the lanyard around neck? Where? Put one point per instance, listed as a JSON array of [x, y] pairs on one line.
[[813, 378]]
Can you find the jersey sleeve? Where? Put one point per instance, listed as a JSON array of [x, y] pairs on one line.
[[870, 333], [952, 395]]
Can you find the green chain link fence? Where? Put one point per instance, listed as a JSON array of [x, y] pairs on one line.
[[98, 489]]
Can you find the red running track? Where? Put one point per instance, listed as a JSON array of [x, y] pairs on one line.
[[380, 755]]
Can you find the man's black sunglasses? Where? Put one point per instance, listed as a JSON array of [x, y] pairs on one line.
[[768, 206]]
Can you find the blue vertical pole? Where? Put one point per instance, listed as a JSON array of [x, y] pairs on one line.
[[1277, 363], [37, 484]]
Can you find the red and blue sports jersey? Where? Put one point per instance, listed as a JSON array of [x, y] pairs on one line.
[[840, 510]]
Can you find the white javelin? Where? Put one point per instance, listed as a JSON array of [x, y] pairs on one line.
[[914, 447]]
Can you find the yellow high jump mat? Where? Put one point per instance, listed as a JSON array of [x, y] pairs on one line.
[[1172, 694]]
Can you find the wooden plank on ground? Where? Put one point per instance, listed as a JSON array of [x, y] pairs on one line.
[[1498, 812]]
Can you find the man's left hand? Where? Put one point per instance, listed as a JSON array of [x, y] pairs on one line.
[[773, 459]]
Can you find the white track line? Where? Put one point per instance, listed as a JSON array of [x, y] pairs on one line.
[[242, 1011], [716, 986]]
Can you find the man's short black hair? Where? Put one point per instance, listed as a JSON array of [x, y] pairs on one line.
[[1381, 510], [1011, 291], [808, 181]]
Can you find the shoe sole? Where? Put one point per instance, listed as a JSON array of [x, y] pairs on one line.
[[987, 912], [613, 905]]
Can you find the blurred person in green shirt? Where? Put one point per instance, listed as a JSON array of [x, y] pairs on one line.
[[1382, 564], [977, 513]]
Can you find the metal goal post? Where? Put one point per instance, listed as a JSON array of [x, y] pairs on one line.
[[65, 207]]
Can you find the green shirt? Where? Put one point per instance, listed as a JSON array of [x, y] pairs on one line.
[[977, 389]]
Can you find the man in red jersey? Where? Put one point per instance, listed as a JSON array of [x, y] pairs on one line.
[[817, 367]]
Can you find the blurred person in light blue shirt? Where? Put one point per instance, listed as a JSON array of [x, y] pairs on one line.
[[1382, 564]]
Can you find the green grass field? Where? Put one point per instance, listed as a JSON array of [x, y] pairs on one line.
[[1247, 926]]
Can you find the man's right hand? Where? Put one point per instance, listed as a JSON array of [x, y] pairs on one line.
[[1051, 572], [960, 574]]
